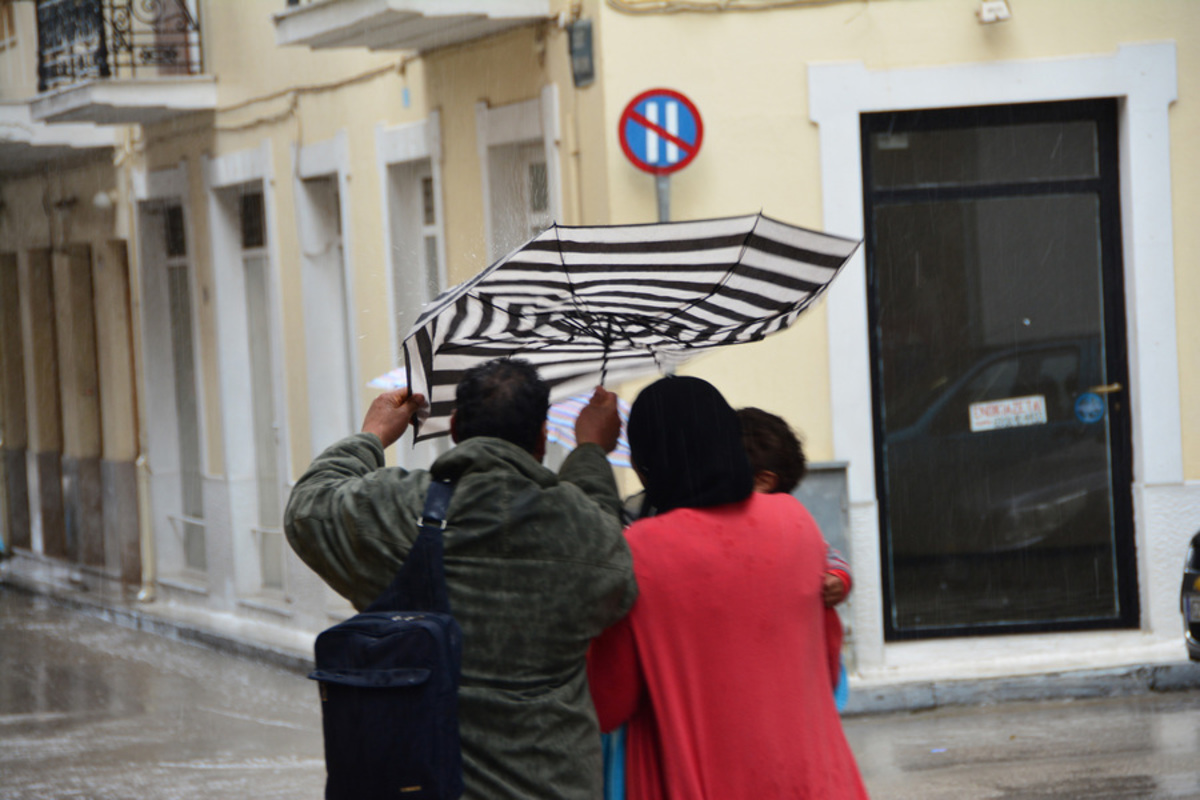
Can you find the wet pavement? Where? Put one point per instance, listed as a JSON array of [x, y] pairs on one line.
[[1145, 747], [92, 710]]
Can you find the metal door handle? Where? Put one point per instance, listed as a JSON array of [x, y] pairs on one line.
[[1110, 388]]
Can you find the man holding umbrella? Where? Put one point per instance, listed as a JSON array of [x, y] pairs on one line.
[[535, 563]]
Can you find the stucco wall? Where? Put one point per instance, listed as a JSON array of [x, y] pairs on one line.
[[747, 74], [18, 59]]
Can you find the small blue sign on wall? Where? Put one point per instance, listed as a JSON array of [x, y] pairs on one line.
[[1089, 408]]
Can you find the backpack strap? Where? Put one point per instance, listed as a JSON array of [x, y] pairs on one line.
[[420, 583]]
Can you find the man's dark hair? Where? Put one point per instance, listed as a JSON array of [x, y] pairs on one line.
[[772, 445], [503, 398]]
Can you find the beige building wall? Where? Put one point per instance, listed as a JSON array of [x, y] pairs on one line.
[[18, 56], [500, 71], [747, 73], [288, 98], [1185, 163], [75, 337], [54, 213], [272, 103]]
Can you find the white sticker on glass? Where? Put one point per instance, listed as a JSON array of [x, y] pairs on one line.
[[1013, 412]]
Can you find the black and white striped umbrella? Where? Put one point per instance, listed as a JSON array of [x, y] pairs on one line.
[[589, 305]]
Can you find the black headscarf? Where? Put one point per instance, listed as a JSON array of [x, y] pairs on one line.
[[686, 442]]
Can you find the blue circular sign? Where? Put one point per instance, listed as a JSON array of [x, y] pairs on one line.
[[1089, 408], [660, 131]]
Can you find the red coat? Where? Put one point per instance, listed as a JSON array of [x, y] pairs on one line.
[[720, 669]]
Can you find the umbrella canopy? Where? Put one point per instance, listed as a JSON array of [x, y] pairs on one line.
[[560, 421], [560, 426], [590, 304]]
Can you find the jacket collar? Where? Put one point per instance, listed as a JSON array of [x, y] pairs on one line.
[[487, 454]]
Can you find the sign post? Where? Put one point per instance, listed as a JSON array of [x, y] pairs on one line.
[[661, 131], [662, 192]]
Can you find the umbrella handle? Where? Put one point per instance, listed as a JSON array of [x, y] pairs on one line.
[[608, 322]]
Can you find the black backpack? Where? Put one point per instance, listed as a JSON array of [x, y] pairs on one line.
[[389, 682]]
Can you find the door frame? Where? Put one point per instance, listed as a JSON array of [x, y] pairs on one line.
[[1106, 187], [401, 146], [156, 190], [224, 175], [534, 121], [1143, 78], [329, 160]]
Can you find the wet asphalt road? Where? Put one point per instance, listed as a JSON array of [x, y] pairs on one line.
[[1145, 747], [92, 710]]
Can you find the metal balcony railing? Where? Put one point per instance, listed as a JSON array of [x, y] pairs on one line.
[[80, 40]]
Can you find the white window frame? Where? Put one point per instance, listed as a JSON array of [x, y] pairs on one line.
[[404, 144], [331, 160], [163, 188], [1143, 78], [228, 172], [535, 120], [397, 146]]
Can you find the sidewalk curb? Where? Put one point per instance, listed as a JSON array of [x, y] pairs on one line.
[[863, 701], [1073, 685], [129, 615]]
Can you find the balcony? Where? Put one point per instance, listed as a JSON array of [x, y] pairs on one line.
[[418, 25], [119, 62], [27, 145]]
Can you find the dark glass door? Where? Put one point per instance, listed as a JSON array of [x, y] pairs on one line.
[[1001, 395]]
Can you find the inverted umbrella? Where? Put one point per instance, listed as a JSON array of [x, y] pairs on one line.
[[590, 304], [560, 420]]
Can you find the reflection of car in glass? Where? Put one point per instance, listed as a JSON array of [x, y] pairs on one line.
[[1189, 599], [1011, 455]]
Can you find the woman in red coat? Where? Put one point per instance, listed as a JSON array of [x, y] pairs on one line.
[[719, 669]]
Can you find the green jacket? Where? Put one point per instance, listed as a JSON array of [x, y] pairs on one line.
[[536, 567]]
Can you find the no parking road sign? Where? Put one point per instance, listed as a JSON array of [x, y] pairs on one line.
[[660, 131]]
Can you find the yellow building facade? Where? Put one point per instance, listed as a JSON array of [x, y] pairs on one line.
[[209, 244]]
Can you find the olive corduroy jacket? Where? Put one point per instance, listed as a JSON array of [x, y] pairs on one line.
[[536, 567]]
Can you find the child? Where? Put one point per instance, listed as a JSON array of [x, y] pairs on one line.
[[778, 462]]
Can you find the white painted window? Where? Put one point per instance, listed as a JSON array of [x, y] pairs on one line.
[[249, 353], [519, 149], [179, 304], [327, 332], [417, 266], [520, 194], [430, 233], [410, 168], [172, 393], [265, 427], [416, 232]]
